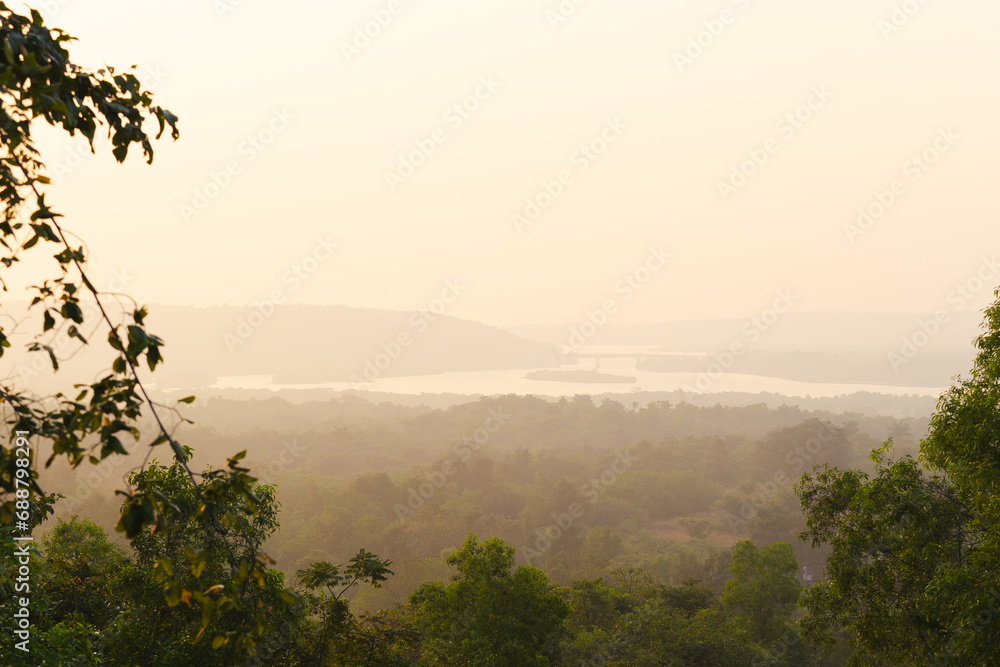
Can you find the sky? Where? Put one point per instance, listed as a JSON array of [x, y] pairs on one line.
[[540, 159]]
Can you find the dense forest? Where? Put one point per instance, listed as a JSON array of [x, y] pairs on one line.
[[410, 482], [636, 535], [510, 530]]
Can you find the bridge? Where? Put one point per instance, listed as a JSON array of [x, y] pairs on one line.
[[638, 356]]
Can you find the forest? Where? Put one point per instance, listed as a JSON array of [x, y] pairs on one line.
[[621, 527], [510, 530]]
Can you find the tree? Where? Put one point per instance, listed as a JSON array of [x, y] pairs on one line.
[[207, 589], [82, 573], [337, 631], [39, 82], [75, 590], [890, 534], [914, 571], [678, 626], [489, 614], [95, 603], [762, 589], [593, 605], [697, 528]]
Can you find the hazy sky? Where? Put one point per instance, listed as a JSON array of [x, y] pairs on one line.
[[829, 102]]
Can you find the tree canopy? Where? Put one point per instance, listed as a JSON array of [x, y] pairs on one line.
[[199, 531], [913, 571]]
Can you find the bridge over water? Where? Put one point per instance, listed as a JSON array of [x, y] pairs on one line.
[[638, 356]]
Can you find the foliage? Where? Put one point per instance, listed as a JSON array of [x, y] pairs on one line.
[[95, 603], [913, 572], [39, 81], [490, 614], [654, 625], [891, 534], [83, 573], [67, 643], [338, 632], [696, 528], [763, 588]]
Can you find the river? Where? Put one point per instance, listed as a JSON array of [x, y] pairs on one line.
[[513, 381]]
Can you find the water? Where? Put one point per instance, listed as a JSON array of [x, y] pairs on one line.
[[514, 382]]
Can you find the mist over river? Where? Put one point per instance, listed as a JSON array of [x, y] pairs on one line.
[[514, 381]]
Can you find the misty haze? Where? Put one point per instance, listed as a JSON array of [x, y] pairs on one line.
[[507, 334]]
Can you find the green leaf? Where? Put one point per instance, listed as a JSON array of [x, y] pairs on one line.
[[52, 357], [137, 340], [71, 311], [75, 333], [172, 593], [165, 566], [130, 521], [112, 446], [153, 357], [114, 341]]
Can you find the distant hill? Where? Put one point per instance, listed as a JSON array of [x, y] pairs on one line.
[[827, 331], [313, 344], [875, 348], [316, 344]]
